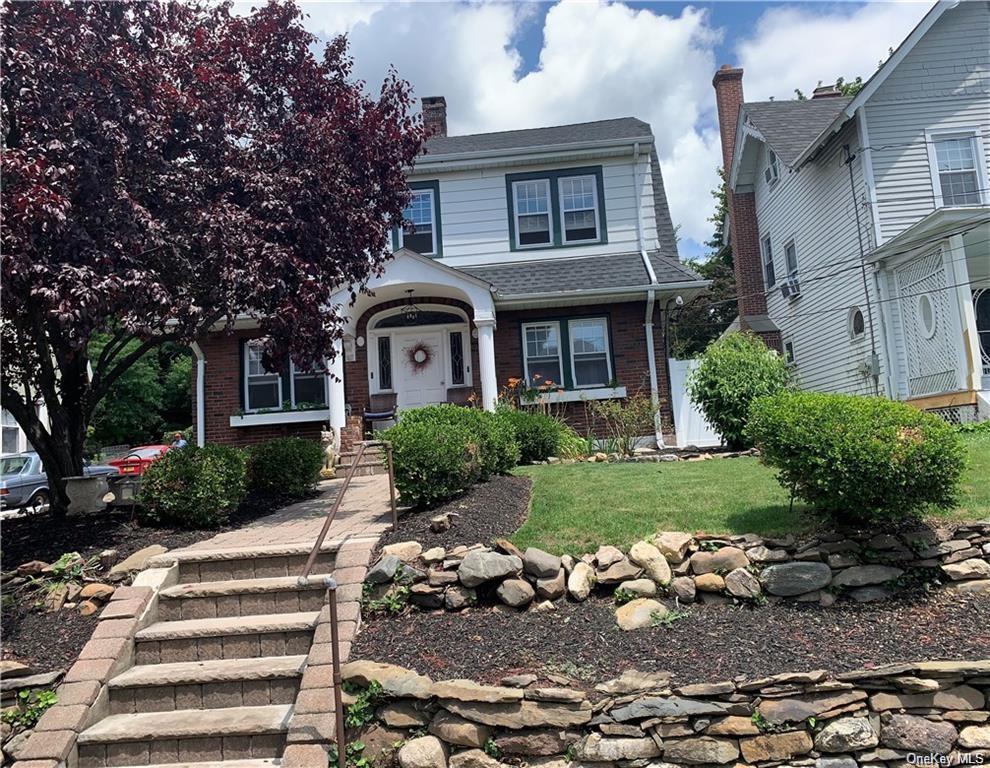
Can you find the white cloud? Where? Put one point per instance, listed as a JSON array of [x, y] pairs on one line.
[[795, 47]]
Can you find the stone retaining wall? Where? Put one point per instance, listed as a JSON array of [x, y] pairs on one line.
[[682, 568], [927, 713]]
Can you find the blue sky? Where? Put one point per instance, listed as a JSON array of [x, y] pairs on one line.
[[505, 65]]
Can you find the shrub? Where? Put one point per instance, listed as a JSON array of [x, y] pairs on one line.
[[625, 420], [858, 459], [193, 487], [538, 434], [732, 373], [441, 450], [285, 465]]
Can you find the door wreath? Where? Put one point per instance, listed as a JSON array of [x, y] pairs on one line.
[[418, 356]]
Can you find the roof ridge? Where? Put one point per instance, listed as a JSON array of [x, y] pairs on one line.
[[547, 127]]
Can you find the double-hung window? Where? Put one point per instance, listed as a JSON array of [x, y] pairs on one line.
[[11, 433], [767, 251], [590, 365], [262, 388], [531, 201], [790, 258], [541, 354], [578, 209], [419, 231], [957, 176], [309, 388], [772, 172]]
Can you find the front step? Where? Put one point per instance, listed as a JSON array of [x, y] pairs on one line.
[[230, 637], [206, 684], [257, 562], [372, 463], [239, 597], [185, 736], [273, 762]]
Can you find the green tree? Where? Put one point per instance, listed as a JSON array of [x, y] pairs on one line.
[[131, 411], [703, 320], [846, 88]]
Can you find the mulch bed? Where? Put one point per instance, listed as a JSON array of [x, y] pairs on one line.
[[49, 641], [711, 643], [486, 512]]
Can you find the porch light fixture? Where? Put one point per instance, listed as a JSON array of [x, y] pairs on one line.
[[410, 312]]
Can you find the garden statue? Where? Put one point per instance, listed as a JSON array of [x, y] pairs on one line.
[[328, 439]]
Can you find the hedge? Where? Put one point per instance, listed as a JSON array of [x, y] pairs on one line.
[[193, 487]]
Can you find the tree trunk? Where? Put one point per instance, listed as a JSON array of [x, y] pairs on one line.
[[61, 452]]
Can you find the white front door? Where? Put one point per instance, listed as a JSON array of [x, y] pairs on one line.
[[420, 368]]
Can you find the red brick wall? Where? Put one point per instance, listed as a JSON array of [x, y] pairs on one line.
[[627, 337]]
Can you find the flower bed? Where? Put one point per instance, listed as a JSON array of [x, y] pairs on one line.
[[857, 718]]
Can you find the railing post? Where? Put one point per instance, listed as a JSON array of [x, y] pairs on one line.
[[338, 706], [391, 486]]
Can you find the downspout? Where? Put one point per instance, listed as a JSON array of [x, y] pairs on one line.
[[651, 358], [200, 394]]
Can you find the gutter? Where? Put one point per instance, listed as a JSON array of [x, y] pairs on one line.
[[628, 289], [576, 146], [200, 394]]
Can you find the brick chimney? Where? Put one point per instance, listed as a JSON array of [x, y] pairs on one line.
[[745, 235], [435, 115], [826, 92]]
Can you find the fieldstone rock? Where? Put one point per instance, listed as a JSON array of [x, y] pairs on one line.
[[31, 568], [515, 592], [790, 579], [470, 691], [383, 571], [88, 607], [762, 554], [709, 582], [666, 706], [683, 589], [722, 560], [457, 598], [847, 735], [567, 561], [775, 746], [733, 725], [424, 752], [522, 714], [607, 555], [434, 555], [599, 749], [870, 594], [406, 551], [961, 697], [974, 568], [701, 751], [917, 734], [650, 559], [778, 711], [473, 758], [673, 545], [506, 547], [440, 523], [536, 742], [554, 588], [10, 668], [135, 562], [581, 581], [976, 586], [634, 681], [836, 762], [741, 583], [975, 737], [404, 714], [456, 730], [639, 587], [479, 567], [518, 681], [425, 596], [865, 575], [97, 591], [540, 564], [396, 681], [639, 613], [618, 572]]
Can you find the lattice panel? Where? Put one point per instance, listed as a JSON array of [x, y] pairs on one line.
[[957, 414], [931, 361]]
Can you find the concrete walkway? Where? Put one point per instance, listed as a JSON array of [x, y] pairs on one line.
[[232, 667]]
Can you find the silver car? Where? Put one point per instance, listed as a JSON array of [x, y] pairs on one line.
[[23, 482]]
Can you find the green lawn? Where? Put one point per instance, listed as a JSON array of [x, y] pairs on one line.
[[578, 507]]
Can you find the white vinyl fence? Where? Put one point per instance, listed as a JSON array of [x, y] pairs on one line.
[[689, 423]]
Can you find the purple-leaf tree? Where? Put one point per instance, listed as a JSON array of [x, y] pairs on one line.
[[168, 168]]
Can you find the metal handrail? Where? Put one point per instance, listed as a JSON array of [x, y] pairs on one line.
[[331, 583]]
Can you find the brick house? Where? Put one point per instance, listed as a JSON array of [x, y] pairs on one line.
[[542, 254]]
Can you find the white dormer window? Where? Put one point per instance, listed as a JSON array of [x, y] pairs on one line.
[[772, 171], [958, 169]]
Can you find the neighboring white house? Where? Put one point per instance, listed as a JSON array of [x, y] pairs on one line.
[[861, 226], [14, 439]]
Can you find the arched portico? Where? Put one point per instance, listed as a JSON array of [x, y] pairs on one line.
[[451, 334]]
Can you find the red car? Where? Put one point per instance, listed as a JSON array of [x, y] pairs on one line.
[[134, 463]]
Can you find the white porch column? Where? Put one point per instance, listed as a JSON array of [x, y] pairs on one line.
[[486, 358], [957, 273], [338, 417]]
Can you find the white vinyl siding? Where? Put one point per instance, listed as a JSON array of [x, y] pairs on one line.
[[476, 219]]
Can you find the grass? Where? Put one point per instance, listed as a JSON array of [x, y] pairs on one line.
[[578, 507]]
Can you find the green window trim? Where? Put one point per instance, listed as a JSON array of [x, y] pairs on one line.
[[433, 186], [562, 323], [556, 231]]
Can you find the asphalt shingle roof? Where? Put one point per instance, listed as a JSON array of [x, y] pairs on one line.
[[578, 274], [790, 126], [600, 130]]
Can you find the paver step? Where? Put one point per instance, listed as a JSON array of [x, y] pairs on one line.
[[215, 671], [229, 637], [254, 562], [239, 597], [273, 762]]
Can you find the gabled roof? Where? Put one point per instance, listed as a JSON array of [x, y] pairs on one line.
[[619, 272], [790, 126], [622, 128]]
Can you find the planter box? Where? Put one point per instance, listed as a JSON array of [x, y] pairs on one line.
[[280, 417], [577, 395]]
